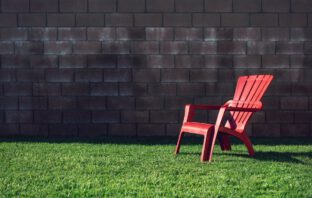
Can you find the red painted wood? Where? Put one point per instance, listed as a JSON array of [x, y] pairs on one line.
[[247, 100]]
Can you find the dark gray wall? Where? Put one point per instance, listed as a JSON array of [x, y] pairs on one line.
[[127, 67]]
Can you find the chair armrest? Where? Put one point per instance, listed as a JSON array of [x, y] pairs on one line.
[[189, 111]]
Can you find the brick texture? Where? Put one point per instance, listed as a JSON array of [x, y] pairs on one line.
[[92, 68]]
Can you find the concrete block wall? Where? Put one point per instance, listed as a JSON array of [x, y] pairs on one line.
[[93, 68]]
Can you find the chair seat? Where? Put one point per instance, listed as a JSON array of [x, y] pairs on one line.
[[197, 127]]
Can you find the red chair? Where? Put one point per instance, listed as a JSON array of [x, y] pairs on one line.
[[246, 101]]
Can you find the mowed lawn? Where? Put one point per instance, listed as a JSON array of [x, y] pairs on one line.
[[146, 167]]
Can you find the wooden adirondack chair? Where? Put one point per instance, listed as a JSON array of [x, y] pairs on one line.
[[246, 101]]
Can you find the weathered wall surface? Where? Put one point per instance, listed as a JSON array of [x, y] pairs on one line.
[[127, 67]]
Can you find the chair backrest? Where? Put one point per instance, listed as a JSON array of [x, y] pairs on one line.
[[248, 93]]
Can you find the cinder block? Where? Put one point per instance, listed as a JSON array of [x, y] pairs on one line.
[[44, 6], [61, 20], [72, 34], [148, 20], [147, 103], [173, 47], [151, 130], [275, 61], [8, 102], [131, 5], [187, 61], [119, 19], [307, 49], [76, 116], [33, 103], [303, 116], [301, 89], [9, 130], [160, 5], [294, 103], [33, 75], [27, 47], [177, 102], [218, 61], [295, 130], [101, 34], [299, 61], [101, 61], [13, 34], [162, 89], [229, 47], [92, 103], [160, 61], [247, 34], [116, 47], [177, 20], [90, 75], [120, 103], [117, 75], [46, 89], [159, 33], [122, 130], [75, 89], [72, 61], [63, 130], [73, 5], [104, 89], [132, 89], [189, 34], [39, 61], [8, 20], [145, 47], [301, 6], [289, 48], [292, 20], [92, 130], [173, 129], [189, 5], [17, 89], [260, 47], [15, 6], [165, 116], [130, 34], [276, 5], [200, 47], [62, 102], [190, 89], [6, 48], [129, 61], [253, 61], [105, 117], [214, 34], [279, 116], [87, 47], [247, 5], [175, 75], [266, 130], [38, 130], [102, 6], [206, 20], [48, 34], [301, 34], [59, 75], [32, 20], [90, 20], [218, 6], [275, 34], [18, 117], [146, 75], [7, 75], [263, 20], [134, 116], [57, 47], [203, 75], [49, 116], [235, 20]]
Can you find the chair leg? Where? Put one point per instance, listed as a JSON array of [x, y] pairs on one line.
[[179, 142], [224, 142], [206, 147], [249, 146]]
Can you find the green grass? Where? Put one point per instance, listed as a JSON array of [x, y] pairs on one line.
[[146, 167]]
